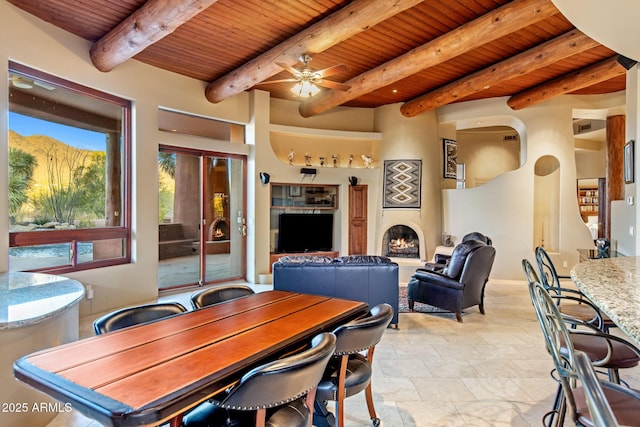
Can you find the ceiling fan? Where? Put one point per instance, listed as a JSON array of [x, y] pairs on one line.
[[308, 80]]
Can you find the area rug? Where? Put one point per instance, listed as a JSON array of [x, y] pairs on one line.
[[403, 304]]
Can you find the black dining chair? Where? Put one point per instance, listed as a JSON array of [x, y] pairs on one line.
[[219, 294], [350, 370], [559, 342], [136, 315], [277, 394]]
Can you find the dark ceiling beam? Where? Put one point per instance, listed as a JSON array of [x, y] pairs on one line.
[[570, 43], [153, 21], [352, 19], [490, 26], [588, 76], [53, 111]]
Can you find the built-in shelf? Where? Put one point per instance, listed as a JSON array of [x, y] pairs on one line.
[[588, 201], [310, 147], [304, 196]]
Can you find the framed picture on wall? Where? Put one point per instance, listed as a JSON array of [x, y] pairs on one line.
[[628, 162], [450, 158]]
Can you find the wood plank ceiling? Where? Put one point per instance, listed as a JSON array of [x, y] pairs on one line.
[[422, 54]]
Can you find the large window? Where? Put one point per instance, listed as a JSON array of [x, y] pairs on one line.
[[69, 175]]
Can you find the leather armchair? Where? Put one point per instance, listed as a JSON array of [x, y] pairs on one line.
[[440, 260], [460, 284]]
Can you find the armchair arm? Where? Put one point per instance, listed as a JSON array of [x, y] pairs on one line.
[[437, 278], [441, 258]]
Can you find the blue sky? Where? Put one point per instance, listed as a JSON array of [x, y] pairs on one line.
[[85, 139]]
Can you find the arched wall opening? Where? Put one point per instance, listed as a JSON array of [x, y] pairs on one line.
[[546, 203]]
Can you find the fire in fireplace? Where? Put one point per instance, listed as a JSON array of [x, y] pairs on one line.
[[219, 229], [401, 241]]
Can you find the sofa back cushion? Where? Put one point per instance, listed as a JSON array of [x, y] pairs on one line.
[[304, 259], [363, 259]]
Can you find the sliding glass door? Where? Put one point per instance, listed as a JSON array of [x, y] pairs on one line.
[[201, 217]]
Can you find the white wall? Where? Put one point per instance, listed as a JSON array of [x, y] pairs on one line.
[[486, 155], [503, 208], [405, 139]]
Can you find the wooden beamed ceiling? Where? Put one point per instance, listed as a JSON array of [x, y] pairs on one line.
[[423, 54]]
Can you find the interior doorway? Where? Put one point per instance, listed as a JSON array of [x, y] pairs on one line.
[[592, 205], [201, 222]]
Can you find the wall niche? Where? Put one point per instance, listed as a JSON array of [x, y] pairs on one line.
[[546, 204]]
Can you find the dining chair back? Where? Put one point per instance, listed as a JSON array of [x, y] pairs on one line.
[[136, 315], [349, 371], [278, 393], [218, 294], [601, 413], [559, 342], [530, 272], [572, 303]]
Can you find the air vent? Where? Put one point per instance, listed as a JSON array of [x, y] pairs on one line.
[[513, 137], [584, 127], [588, 126]]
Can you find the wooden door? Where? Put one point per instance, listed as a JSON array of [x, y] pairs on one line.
[[358, 219]]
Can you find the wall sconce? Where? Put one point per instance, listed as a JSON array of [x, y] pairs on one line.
[[264, 177], [353, 180]]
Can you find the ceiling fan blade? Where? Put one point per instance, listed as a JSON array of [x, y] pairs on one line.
[[288, 67], [279, 81], [330, 84], [333, 70]]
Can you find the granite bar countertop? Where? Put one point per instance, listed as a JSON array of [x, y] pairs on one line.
[[613, 285], [30, 298]]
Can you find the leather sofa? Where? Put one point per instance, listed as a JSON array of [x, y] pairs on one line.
[[368, 278]]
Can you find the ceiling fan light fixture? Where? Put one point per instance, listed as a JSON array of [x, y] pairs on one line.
[[305, 89]]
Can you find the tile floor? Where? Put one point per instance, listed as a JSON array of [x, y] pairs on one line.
[[491, 370]]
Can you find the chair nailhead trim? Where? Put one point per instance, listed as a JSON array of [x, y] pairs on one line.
[[255, 408]]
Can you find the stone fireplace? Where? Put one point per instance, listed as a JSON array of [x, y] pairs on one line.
[[401, 241]]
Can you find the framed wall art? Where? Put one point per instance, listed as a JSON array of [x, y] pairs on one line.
[[402, 180], [450, 158], [629, 172]]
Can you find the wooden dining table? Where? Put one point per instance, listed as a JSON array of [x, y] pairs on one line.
[[152, 373], [613, 285]]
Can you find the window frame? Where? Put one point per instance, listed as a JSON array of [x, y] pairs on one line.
[[72, 237]]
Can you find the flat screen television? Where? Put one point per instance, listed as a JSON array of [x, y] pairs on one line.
[[299, 232]]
